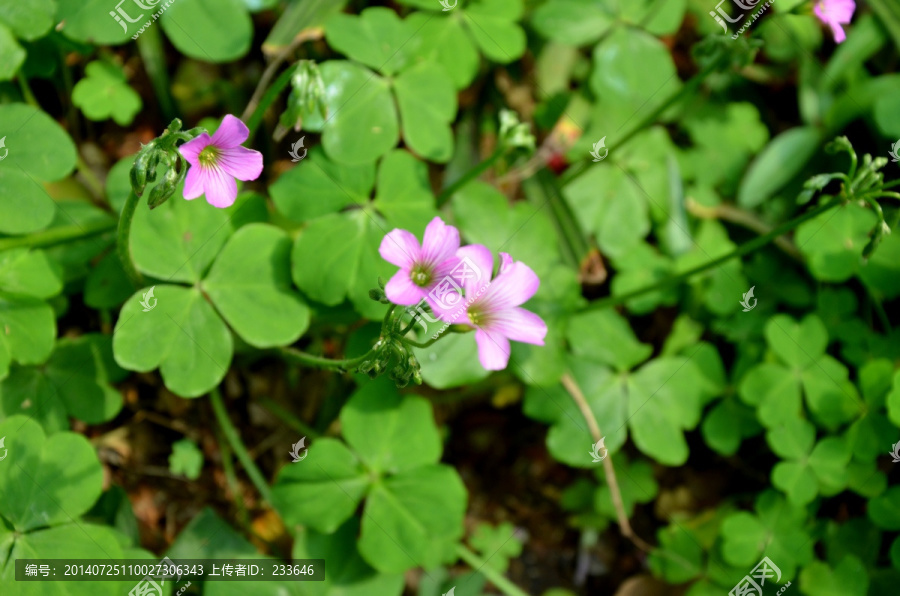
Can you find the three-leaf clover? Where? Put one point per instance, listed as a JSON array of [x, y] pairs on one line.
[[104, 93]]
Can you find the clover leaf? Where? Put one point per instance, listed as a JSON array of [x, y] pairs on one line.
[[209, 30], [75, 381], [414, 506], [104, 93], [498, 545], [373, 38], [833, 242], [39, 151], [12, 55], [847, 578], [807, 471]]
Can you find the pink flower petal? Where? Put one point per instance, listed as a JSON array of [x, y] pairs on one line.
[[194, 183], [231, 133], [519, 324], [241, 163], [192, 148], [475, 269], [515, 286], [221, 189], [838, 31], [401, 290], [439, 242], [400, 248], [505, 261], [493, 350]]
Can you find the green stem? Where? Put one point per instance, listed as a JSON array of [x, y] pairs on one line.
[[740, 251], [26, 90], [54, 236], [303, 358], [497, 578], [418, 345], [271, 94], [150, 47], [240, 451], [123, 238], [231, 479], [288, 418], [90, 178], [470, 175]]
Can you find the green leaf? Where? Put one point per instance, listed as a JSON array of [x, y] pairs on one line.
[[12, 55], [782, 159], [178, 240], [498, 545], [884, 510], [524, 230], [847, 578], [29, 329], [492, 24], [209, 30], [75, 381], [104, 93], [323, 490], [743, 539], [39, 151], [451, 362], [427, 101], [377, 37], [833, 241], [186, 459], [28, 21], [633, 73], [318, 186], [182, 336], [658, 19], [798, 345], [679, 557], [250, 285], [29, 272], [345, 572], [636, 484], [572, 21], [336, 257], [362, 119], [45, 481], [663, 401], [413, 519], [391, 433], [89, 21], [404, 194], [605, 336], [107, 285], [443, 40]]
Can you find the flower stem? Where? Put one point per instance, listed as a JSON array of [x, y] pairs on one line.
[[240, 451], [60, 235], [740, 251], [303, 358], [151, 49], [470, 175], [496, 578], [271, 94], [123, 237]]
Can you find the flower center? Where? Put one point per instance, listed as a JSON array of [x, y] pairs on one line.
[[478, 318], [209, 156], [420, 276]]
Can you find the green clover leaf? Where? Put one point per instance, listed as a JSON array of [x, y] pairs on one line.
[[104, 93]]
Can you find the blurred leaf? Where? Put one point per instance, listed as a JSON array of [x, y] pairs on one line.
[[209, 30], [12, 55], [104, 93], [781, 160], [848, 578], [498, 545], [186, 459]]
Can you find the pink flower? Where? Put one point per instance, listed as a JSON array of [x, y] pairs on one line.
[[493, 307], [421, 268], [217, 161], [835, 13]]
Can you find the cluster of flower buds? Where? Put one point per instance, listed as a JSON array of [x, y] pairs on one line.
[[391, 349], [162, 150], [306, 97]]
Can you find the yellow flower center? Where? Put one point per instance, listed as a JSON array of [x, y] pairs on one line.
[[209, 156]]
